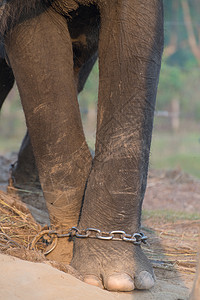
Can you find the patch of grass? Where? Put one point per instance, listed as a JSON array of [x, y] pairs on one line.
[[181, 150], [169, 215], [9, 145]]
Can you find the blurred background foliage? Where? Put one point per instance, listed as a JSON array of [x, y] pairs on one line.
[[176, 137]]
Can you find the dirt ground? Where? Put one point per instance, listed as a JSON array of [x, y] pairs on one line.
[[171, 219]]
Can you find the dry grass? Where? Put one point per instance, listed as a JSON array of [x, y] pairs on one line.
[[17, 229], [173, 246]]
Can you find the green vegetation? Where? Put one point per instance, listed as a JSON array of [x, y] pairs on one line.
[[12, 123], [180, 150], [165, 215]]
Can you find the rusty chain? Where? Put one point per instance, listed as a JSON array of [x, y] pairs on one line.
[[115, 235]]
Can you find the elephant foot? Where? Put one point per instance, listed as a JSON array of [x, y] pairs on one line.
[[113, 265]]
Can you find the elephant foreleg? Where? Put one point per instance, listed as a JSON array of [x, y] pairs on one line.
[[24, 174], [49, 98], [130, 48]]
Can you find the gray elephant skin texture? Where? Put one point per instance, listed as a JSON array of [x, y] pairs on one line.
[[50, 48]]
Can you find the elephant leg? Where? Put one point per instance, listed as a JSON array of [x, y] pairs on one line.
[[24, 178], [130, 49], [6, 80], [24, 173], [24, 182], [41, 56]]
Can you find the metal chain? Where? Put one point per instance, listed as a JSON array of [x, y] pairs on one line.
[[115, 235]]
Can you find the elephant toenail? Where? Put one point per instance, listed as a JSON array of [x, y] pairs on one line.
[[144, 281], [119, 282], [93, 280]]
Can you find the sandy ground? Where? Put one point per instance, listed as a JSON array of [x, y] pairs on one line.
[[171, 248], [27, 280]]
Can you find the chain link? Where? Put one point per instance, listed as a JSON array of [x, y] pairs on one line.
[[115, 235]]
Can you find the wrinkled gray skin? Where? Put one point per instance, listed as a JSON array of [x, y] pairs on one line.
[[48, 48]]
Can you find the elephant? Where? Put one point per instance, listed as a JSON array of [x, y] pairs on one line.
[[50, 47]]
